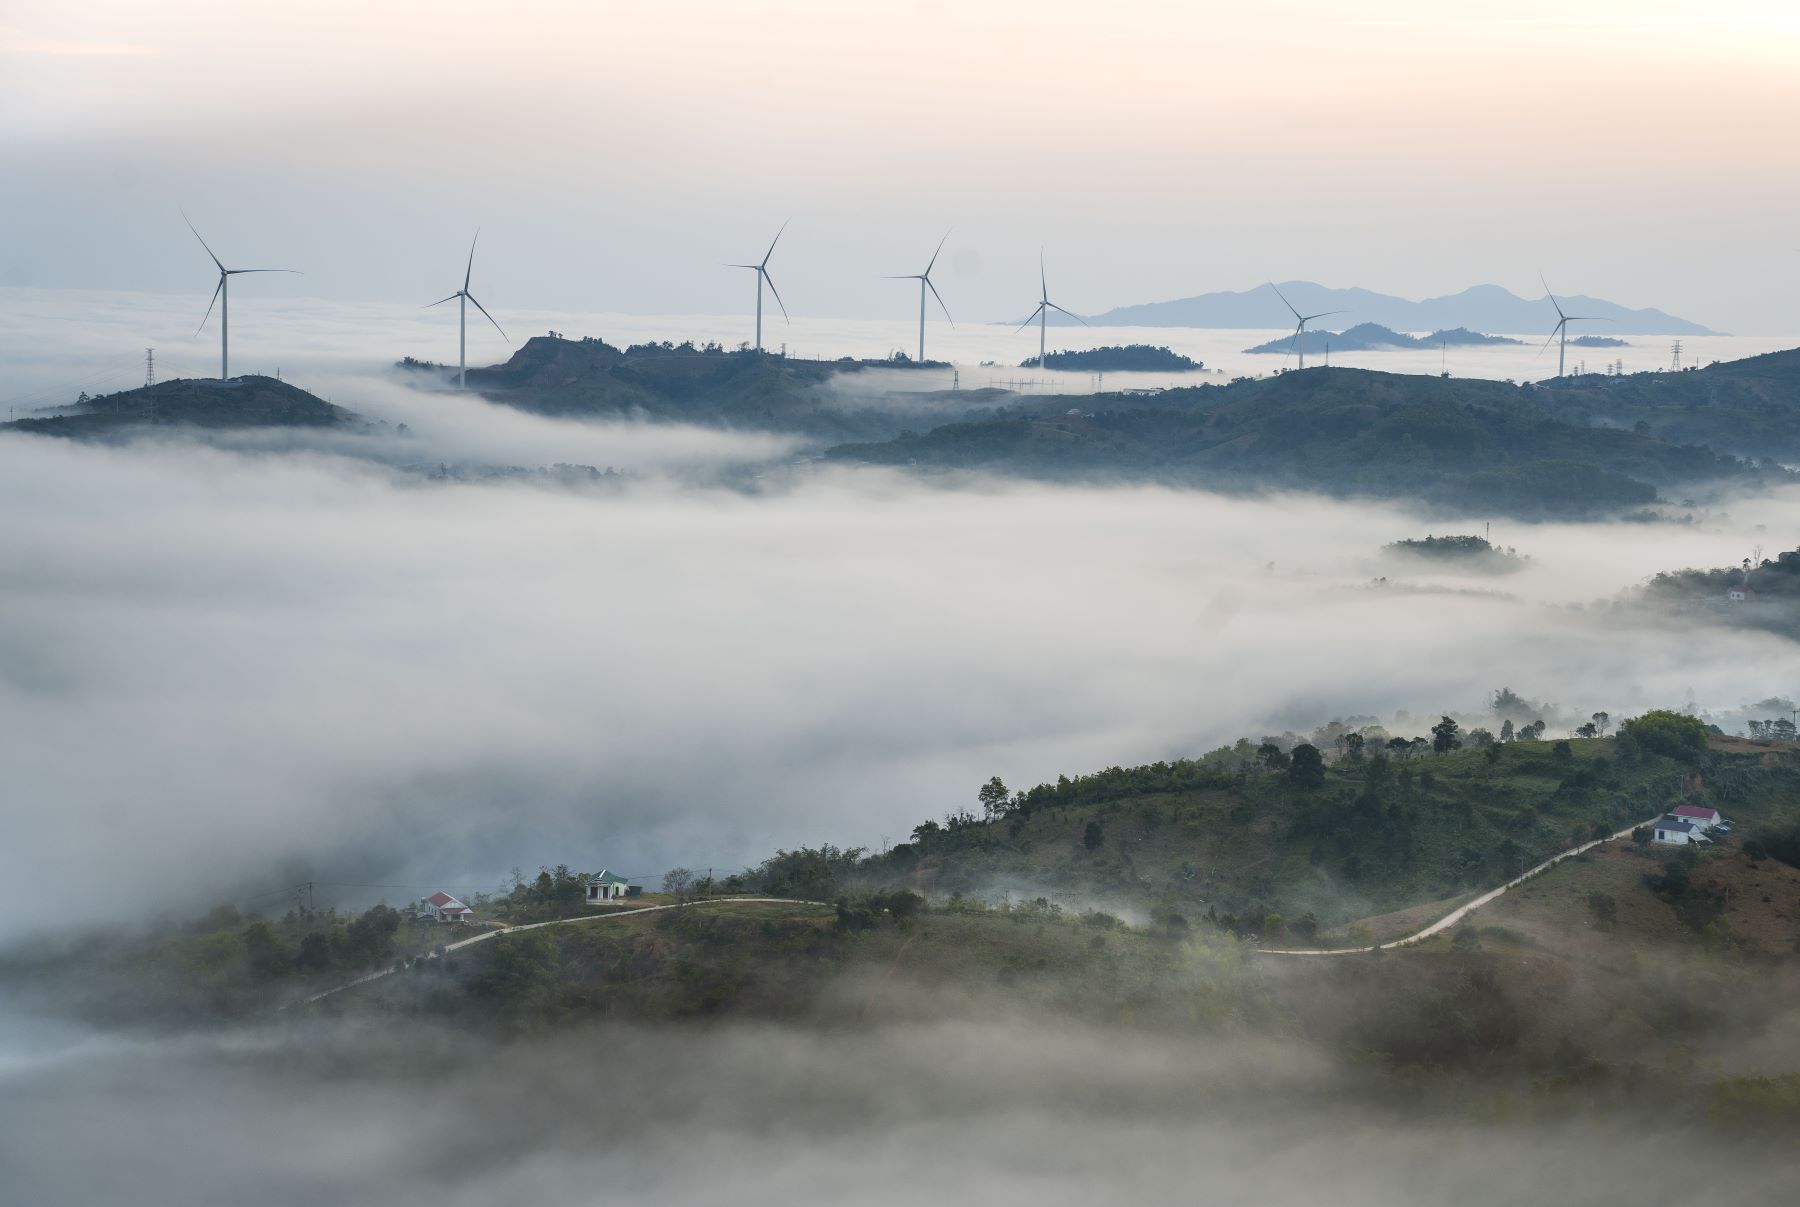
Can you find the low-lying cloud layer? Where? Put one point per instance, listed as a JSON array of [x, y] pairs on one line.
[[222, 671], [995, 1112]]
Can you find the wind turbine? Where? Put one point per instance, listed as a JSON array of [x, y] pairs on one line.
[[761, 269], [1044, 307], [222, 298], [1301, 321], [462, 298], [924, 280], [1562, 326]]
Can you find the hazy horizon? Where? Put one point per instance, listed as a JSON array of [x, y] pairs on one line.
[[619, 160]]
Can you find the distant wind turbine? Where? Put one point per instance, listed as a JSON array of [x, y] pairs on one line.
[[924, 280], [1562, 327], [1044, 307], [462, 298], [761, 269], [222, 298], [1300, 322]]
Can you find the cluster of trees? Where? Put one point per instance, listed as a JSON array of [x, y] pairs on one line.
[[320, 942], [1781, 729], [1120, 358], [871, 909]]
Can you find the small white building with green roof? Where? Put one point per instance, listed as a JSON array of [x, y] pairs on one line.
[[607, 887]]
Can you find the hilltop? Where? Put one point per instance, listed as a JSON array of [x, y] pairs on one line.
[[241, 402], [1370, 337], [1457, 443], [1748, 407], [1479, 308], [1119, 359], [1248, 834], [707, 384]]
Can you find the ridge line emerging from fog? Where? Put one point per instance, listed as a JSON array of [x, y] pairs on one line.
[[1460, 912], [509, 930]]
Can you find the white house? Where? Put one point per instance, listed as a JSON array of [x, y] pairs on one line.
[[1701, 817], [445, 908], [608, 887], [1738, 594], [1677, 830]]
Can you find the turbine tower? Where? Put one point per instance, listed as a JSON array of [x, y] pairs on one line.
[[222, 298], [462, 298], [761, 269], [1044, 307], [924, 280], [1300, 322], [1562, 326]]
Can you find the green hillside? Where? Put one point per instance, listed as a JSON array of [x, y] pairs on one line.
[[1750, 407], [709, 385], [1237, 843], [242, 402], [1469, 444]]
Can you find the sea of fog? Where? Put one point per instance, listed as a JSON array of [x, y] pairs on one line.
[[62, 342], [284, 657]]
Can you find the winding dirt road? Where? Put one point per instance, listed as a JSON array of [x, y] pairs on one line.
[[485, 935], [1460, 912]]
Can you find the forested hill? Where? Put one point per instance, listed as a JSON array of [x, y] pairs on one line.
[[709, 385], [1486, 445], [1749, 407], [242, 402], [1386, 825]]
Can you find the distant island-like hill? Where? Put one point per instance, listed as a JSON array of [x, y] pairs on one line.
[[240, 402], [1369, 337], [1479, 308], [706, 384], [1127, 358], [1458, 443], [1597, 341]]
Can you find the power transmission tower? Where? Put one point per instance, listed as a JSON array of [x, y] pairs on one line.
[[1675, 353], [149, 366]]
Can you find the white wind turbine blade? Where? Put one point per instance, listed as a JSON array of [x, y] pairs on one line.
[[209, 306], [470, 270], [1323, 314], [1284, 300], [1070, 313], [1551, 296], [1029, 319], [771, 251], [209, 251], [489, 317], [1554, 332], [771, 281], [232, 272], [940, 299], [440, 301], [934, 255]]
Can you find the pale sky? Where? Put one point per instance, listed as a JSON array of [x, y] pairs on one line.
[[617, 154]]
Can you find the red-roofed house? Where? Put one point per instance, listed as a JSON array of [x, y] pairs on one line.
[[445, 908], [1701, 817]]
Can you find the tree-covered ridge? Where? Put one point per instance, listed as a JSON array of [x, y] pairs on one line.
[[1318, 835], [242, 402], [711, 385], [1466, 550], [1748, 407], [1370, 337], [1120, 359], [1461, 443]]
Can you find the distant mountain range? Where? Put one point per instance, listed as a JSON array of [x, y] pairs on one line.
[[1365, 337], [1479, 308]]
